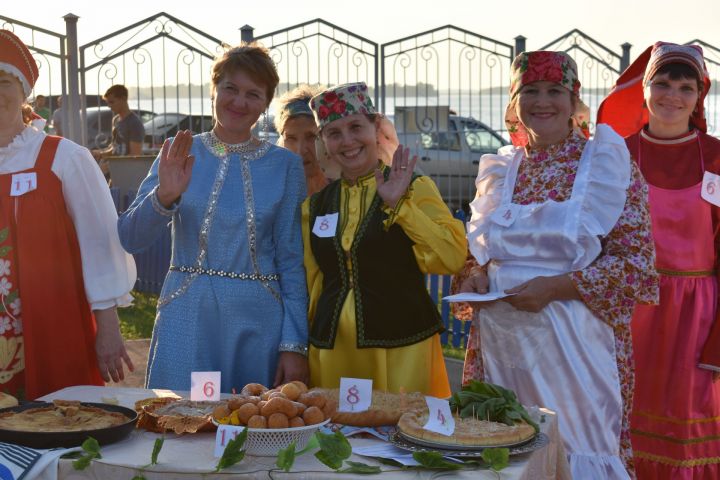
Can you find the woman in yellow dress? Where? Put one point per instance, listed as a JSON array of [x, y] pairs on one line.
[[370, 237]]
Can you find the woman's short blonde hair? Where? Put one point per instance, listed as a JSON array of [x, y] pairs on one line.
[[251, 58], [301, 93]]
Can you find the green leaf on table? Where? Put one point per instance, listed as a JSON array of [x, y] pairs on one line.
[[91, 449], [311, 445], [156, 450], [139, 477], [82, 463], [91, 446], [286, 457], [334, 449], [435, 460], [233, 452], [361, 468], [496, 458]]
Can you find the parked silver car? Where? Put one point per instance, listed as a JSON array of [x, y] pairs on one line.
[[449, 147], [166, 125]]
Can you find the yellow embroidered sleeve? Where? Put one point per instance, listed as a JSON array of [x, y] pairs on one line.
[[440, 244], [313, 274]]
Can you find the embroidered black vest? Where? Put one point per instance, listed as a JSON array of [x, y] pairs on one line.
[[392, 305]]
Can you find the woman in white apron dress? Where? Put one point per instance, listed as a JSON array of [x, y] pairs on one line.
[[561, 222]]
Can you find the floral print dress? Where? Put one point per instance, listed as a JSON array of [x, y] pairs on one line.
[[622, 275]]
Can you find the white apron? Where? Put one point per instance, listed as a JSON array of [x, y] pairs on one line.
[[563, 357]]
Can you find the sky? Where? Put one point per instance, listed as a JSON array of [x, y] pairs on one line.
[[610, 22]]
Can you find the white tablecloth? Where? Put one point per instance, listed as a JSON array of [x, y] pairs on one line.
[[190, 456]]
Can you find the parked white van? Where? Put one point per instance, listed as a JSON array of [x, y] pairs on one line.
[[449, 147]]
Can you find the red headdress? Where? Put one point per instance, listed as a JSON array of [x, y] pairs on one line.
[[623, 108]]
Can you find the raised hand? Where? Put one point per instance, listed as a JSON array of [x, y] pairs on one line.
[[175, 168], [401, 172]]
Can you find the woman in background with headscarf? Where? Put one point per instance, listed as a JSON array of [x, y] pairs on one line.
[[298, 133]]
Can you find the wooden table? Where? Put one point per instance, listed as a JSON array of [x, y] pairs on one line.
[[186, 457]]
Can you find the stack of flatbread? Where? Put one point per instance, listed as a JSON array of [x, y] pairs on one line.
[[385, 409]]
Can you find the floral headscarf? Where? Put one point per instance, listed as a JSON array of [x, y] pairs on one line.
[[623, 108], [542, 65], [341, 101]]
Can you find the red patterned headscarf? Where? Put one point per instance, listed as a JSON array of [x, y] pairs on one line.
[[341, 101], [542, 65], [623, 108]]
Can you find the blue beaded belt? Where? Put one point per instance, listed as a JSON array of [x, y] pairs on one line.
[[221, 273]]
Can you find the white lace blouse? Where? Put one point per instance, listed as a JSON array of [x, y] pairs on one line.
[[108, 271]]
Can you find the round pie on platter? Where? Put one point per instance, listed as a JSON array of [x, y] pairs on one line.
[[469, 432], [62, 416]]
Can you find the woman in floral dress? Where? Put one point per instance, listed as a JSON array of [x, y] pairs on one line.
[[561, 222]]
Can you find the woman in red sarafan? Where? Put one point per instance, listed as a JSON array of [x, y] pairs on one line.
[[657, 104], [62, 269]]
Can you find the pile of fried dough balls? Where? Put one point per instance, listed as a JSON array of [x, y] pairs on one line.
[[287, 406]]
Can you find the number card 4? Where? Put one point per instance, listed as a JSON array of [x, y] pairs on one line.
[[204, 386], [711, 188], [440, 419], [505, 215], [355, 394]]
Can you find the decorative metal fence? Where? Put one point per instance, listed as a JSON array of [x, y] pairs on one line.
[[318, 52], [165, 61], [432, 84]]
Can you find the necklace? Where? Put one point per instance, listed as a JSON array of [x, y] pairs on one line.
[[223, 148]]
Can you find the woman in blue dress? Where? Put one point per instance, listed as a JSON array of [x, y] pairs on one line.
[[234, 299]]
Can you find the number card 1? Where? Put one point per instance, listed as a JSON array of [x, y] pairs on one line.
[[355, 394], [204, 386], [711, 188], [440, 419]]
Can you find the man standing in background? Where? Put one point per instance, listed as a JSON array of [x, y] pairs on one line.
[[128, 131], [57, 117], [40, 107]]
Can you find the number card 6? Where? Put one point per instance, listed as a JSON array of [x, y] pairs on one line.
[[205, 386], [711, 188]]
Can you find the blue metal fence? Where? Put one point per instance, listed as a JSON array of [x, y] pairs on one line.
[[153, 263]]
